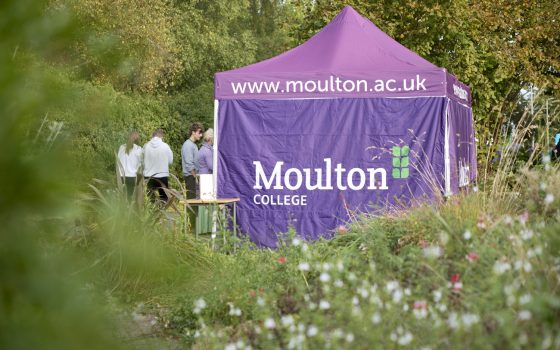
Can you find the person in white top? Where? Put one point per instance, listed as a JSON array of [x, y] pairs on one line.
[[157, 159], [129, 159]]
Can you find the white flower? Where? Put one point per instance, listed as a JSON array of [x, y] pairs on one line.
[[524, 315], [453, 320], [324, 277], [364, 293], [312, 331], [524, 299], [352, 276], [442, 307], [340, 266], [303, 266], [475, 188], [547, 342], [470, 319], [433, 252], [287, 320], [405, 339], [327, 266], [355, 300], [546, 159], [437, 295], [508, 220], [338, 283], [405, 307], [549, 198], [420, 313], [338, 333], [230, 346], [296, 242], [392, 285], [542, 186], [269, 323], [376, 318], [349, 337], [467, 235], [213, 236], [526, 234], [397, 296], [324, 305], [500, 267], [531, 253], [199, 305], [510, 289], [260, 301], [525, 265]]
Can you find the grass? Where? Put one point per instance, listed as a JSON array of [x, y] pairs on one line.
[[467, 273]]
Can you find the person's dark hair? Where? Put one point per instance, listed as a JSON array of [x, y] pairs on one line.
[[133, 139], [158, 133], [194, 128]]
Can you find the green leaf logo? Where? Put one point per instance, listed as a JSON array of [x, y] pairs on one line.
[[400, 162]]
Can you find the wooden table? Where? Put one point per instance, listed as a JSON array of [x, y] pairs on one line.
[[215, 202]]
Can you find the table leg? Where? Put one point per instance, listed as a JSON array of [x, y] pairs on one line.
[[234, 219], [186, 223]]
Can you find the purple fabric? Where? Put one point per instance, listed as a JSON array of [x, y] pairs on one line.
[[458, 91], [350, 48], [205, 156], [347, 96], [462, 145], [355, 132]]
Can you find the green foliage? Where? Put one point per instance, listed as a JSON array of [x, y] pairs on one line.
[[127, 43], [459, 276], [39, 306]]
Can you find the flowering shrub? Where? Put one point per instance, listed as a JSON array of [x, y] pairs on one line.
[[464, 276]]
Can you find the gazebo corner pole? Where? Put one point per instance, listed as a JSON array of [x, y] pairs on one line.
[[215, 155], [447, 159]]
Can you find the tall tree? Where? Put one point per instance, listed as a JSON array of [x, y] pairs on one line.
[[496, 47], [128, 43]]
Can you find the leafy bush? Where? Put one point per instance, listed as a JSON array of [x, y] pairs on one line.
[[457, 276]]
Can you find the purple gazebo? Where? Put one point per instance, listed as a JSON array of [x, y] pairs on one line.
[[350, 121]]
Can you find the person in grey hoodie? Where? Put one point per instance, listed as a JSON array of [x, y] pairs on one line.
[[157, 159], [191, 168]]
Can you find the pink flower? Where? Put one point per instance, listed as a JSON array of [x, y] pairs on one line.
[[455, 278], [472, 257], [523, 218], [282, 260], [342, 230], [456, 284], [422, 304], [252, 293]]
